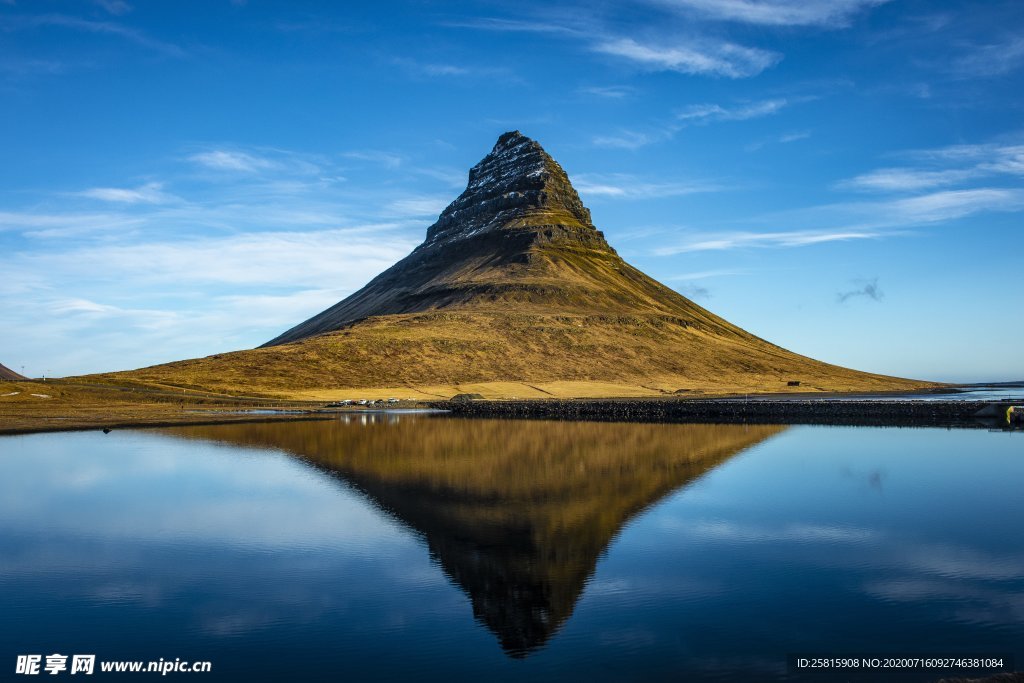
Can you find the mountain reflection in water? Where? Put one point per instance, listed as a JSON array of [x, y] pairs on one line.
[[516, 513]]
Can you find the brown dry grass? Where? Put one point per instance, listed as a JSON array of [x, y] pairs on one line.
[[62, 405], [437, 355], [434, 356]]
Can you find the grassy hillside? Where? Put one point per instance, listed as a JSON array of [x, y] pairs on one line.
[[8, 374], [509, 354]]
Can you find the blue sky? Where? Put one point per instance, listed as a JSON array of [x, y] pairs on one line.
[[842, 177]]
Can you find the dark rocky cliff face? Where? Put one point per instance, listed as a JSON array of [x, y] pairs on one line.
[[518, 238], [518, 179]]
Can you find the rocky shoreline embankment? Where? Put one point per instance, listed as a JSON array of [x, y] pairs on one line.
[[896, 413]]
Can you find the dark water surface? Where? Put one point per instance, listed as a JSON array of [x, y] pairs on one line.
[[422, 547]]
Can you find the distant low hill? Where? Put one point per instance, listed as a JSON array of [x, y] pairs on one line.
[[7, 373], [514, 292]]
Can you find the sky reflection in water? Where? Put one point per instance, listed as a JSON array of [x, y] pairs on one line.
[[430, 547]]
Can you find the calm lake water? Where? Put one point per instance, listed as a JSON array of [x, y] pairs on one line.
[[423, 547]]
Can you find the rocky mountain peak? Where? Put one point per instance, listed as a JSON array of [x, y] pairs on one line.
[[517, 184]]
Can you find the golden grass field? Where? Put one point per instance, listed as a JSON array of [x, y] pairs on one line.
[[428, 356], [53, 405]]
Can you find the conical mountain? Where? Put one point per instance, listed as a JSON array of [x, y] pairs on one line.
[[513, 292], [519, 235], [7, 373]]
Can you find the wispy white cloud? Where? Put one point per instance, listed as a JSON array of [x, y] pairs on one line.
[[267, 259], [115, 7], [864, 220], [387, 159], [624, 186], [97, 27], [57, 225], [961, 152], [995, 59], [784, 139], [418, 206], [704, 113], [943, 166], [952, 204], [431, 69], [227, 160], [793, 137], [515, 26], [824, 13], [903, 179], [449, 176], [18, 68], [925, 209], [241, 190], [922, 91], [698, 114], [281, 310], [78, 312], [745, 239], [64, 306], [997, 157], [695, 54], [614, 92], [443, 70], [150, 193], [630, 139], [1010, 161], [698, 57]]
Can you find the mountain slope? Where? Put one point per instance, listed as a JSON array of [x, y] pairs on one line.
[[514, 284], [7, 373]]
